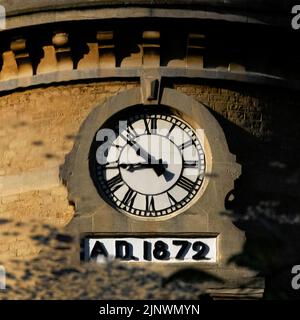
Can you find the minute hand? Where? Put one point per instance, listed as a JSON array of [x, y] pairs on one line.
[[158, 166], [144, 154]]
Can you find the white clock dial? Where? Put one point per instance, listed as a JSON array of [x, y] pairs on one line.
[[154, 165]]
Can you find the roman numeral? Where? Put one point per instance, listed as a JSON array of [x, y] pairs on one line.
[[147, 129], [115, 183], [150, 205], [153, 125], [191, 164], [186, 145], [131, 135], [129, 198], [171, 129], [186, 184], [171, 199]]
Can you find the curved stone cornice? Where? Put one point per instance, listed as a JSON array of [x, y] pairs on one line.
[[38, 18], [119, 73], [27, 13], [259, 6]]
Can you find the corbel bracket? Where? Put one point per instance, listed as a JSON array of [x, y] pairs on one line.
[[151, 87]]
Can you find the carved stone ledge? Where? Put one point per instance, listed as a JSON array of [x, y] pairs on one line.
[[12, 83]]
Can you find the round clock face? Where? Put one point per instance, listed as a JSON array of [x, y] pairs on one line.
[[149, 164]]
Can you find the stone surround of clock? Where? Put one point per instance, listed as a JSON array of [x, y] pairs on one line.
[[97, 216]]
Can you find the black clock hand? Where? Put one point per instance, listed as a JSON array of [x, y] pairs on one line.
[[168, 175], [143, 153], [135, 166], [159, 168]]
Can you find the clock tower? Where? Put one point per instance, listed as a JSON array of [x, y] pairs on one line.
[[148, 129]]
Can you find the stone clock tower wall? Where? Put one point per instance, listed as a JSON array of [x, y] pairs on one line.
[[62, 60], [38, 129], [39, 126]]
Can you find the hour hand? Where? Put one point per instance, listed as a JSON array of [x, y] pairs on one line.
[[134, 166], [159, 168]]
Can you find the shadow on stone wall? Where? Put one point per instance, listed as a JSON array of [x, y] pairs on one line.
[[266, 202], [266, 205]]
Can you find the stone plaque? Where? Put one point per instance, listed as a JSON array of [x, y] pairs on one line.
[[157, 250]]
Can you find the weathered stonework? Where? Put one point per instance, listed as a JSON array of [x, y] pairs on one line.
[[239, 62], [38, 129], [39, 126]]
